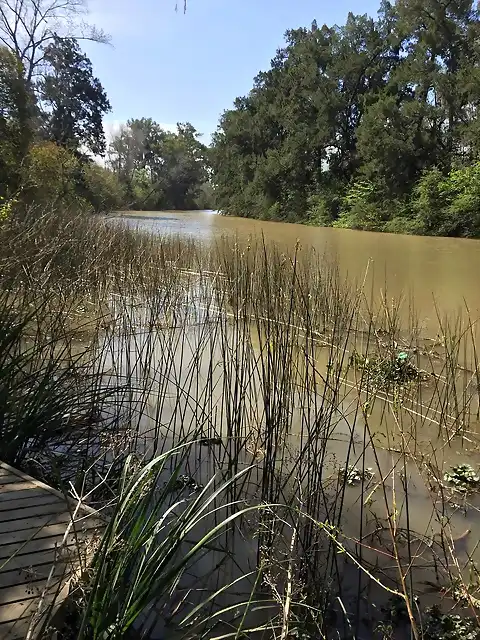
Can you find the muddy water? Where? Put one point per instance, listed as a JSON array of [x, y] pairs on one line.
[[189, 375], [436, 276]]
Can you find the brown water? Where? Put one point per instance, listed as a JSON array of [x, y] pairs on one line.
[[438, 277]]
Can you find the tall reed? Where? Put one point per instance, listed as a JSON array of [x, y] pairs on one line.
[[298, 390]]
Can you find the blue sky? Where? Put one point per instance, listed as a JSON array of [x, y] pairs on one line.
[[176, 68]]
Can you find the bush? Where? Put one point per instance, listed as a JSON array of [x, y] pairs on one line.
[[102, 188], [429, 201], [206, 197], [360, 209], [50, 176], [462, 189], [449, 205], [323, 208], [401, 224]]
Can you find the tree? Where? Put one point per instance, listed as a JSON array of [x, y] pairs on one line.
[[159, 169], [28, 27], [16, 122], [182, 171], [103, 190], [50, 175], [72, 98], [348, 119]]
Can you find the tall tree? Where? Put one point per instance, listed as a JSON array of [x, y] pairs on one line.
[[349, 118], [16, 119], [28, 27], [73, 99], [160, 169]]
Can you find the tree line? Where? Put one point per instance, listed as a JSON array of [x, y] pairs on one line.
[[370, 125], [51, 124]]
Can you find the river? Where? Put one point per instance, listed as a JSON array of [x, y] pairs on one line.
[[435, 276]]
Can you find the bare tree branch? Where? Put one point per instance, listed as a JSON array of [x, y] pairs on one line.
[[27, 26]]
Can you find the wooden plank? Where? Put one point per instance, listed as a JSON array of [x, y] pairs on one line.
[[29, 512], [25, 492], [10, 479], [16, 630], [26, 590], [34, 559], [28, 608], [28, 501], [16, 486], [41, 485], [17, 610], [34, 523], [38, 544], [46, 531], [35, 548], [28, 576]]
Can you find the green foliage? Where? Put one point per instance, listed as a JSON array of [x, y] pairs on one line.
[[103, 190], [160, 169], [66, 107], [16, 105], [161, 524], [385, 371], [73, 100], [323, 208], [360, 208], [50, 174], [449, 205], [6, 208], [354, 476], [206, 197], [441, 626], [371, 107], [463, 477]]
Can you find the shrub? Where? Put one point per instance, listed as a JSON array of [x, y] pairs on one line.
[[462, 188], [50, 175], [102, 188], [360, 209], [429, 200], [323, 208], [449, 205]]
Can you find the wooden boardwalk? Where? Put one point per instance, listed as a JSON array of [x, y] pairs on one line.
[[40, 532]]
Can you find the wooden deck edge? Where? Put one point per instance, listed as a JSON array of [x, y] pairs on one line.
[[41, 485]]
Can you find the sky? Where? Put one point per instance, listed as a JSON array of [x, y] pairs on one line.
[[176, 67]]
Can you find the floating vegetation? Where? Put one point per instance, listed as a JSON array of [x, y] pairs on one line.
[[355, 476], [463, 477], [440, 626], [383, 372], [187, 482]]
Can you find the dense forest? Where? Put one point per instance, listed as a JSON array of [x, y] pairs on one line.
[[53, 149], [371, 125]]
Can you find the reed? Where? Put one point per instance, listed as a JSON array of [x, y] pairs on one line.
[[310, 426]]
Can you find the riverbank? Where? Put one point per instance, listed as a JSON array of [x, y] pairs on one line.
[[295, 453]]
